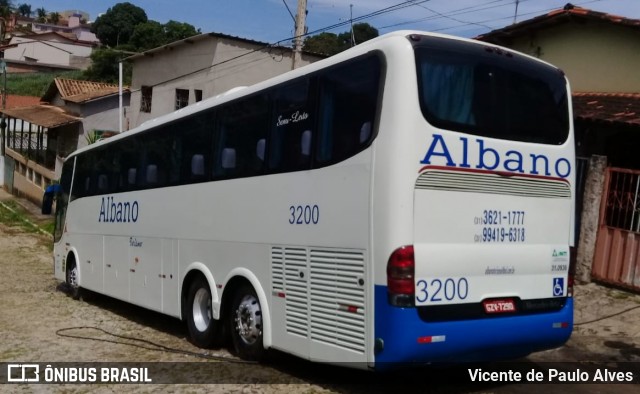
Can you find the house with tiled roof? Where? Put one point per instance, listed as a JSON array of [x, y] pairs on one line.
[[56, 49], [167, 78], [600, 54], [40, 136]]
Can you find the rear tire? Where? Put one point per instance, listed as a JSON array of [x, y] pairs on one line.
[[245, 322], [204, 330]]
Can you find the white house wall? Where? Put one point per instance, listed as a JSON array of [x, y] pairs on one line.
[[596, 57], [50, 52], [213, 65]]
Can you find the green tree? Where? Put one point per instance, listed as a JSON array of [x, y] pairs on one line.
[[116, 26], [54, 18], [361, 32], [42, 15], [152, 34], [104, 65], [175, 31], [324, 43], [25, 10], [6, 8], [148, 35], [330, 44]]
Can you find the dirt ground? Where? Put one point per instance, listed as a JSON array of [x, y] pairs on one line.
[[40, 323]]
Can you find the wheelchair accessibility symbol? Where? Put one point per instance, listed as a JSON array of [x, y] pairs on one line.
[[558, 287]]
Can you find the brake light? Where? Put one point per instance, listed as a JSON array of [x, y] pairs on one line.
[[573, 257], [400, 277]]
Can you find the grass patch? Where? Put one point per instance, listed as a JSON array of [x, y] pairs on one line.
[[36, 84], [14, 215]]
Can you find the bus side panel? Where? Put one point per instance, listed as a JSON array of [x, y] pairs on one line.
[[145, 271], [90, 260], [170, 278], [116, 267]]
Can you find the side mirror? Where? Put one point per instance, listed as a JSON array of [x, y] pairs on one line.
[[47, 203], [48, 197]]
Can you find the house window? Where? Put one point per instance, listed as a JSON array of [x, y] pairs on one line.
[[145, 100], [198, 94], [182, 98]]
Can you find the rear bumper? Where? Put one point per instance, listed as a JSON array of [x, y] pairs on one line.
[[405, 338]]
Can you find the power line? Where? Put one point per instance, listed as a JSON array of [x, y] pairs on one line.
[[460, 11], [509, 17], [392, 8], [452, 18], [288, 9]]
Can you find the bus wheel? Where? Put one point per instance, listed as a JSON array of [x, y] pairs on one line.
[[203, 328], [71, 277], [246, 324]]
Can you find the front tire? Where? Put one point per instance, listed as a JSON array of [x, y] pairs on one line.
[[203, 328], [71, 278], [246, 324]]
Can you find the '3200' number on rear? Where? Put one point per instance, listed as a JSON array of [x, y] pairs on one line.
[[441, 290]]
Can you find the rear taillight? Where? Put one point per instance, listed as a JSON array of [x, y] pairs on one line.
[[400, 277], [573, 257]]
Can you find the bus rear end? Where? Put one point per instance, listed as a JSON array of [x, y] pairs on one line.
[[486, 272]]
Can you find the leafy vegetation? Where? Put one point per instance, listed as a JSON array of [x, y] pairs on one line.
[[116, 26], [36, 84], [14, 215], [330, 43], [125, 29]]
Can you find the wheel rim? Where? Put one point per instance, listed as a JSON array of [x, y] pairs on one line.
[[202, 310], [248, 319], [72, 277]]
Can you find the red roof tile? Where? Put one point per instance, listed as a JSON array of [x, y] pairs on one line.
[[42, 115], [14, 101], [80, 91], [569, 12], [621, 108]]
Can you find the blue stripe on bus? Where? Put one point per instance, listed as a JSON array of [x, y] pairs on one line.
[[407, 338]]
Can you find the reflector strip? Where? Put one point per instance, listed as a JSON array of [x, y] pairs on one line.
[[560, 325], [432, 339], [278, 294], [349, 308]]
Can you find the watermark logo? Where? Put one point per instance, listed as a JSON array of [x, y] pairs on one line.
[[23, 373]]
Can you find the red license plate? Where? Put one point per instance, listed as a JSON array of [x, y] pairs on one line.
[[499, 306]]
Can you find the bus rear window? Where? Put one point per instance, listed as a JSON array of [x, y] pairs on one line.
[[486, 91]]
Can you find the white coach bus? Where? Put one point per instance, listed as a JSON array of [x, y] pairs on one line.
[[408, 200]]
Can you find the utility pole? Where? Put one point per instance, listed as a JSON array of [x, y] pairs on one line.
[[515, 16], [353, 37], [300, 31]]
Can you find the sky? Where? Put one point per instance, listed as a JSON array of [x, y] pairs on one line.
[[271, 21]]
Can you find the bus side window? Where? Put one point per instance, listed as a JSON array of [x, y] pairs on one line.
[[228, 160], [131, 177], [291, 128], [348, 101], [103, 183], [242, 125], [260, 149], [152, 174], [305, 145], [197, 166], [194, 147]]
